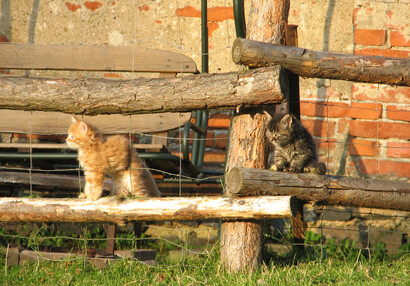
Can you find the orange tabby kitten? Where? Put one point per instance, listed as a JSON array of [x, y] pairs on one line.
[[112, 155]]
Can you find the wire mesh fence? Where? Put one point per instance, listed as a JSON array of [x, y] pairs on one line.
[[330, 114]]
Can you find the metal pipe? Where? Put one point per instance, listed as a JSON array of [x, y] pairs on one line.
[[201, 151], [239, 18], [204, 35]]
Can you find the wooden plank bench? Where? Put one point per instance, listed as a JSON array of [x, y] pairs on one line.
[[45, 155]]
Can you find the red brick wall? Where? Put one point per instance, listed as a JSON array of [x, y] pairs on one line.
[[367, 133]]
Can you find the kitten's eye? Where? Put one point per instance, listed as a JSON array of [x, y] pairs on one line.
[[71, 136]]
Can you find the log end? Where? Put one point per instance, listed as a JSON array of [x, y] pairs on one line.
[[234, 181], [237, 49]]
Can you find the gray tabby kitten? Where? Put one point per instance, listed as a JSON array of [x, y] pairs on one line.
[[295, 150]]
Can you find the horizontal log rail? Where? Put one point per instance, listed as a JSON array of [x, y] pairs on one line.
[[111, 209], [315, 64], [328, 190], [145, 95]]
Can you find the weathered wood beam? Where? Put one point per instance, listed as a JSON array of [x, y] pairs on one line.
[[327, 190], [241, 241], [92, 58], [103, 96], [315, 64], [110, 209]]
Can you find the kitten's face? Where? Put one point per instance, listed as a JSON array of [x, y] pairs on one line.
[[280, 131], [77, 133]]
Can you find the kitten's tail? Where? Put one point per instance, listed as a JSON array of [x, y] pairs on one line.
[[316, 168]]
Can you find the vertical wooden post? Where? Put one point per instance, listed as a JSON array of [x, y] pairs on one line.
[[111, 230], [298, 224], [241, 241]]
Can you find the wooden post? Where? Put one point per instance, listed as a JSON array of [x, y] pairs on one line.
[[111, 230], [298, 223], [241, 241]]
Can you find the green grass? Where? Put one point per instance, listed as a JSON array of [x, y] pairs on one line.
[[322, 263], [307, 269]]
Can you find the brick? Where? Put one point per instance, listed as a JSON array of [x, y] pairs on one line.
[[212, 27], [102, 262], [72, 7], [143, 8], [365, 110], [383, 167], [399, 39], [369, 37], [324, 109], [382, 94], [374, 129], [220, 14], [359, 147], [355, 11], [215, 14], [30, 255], [398, 112], [325, 145], [92, 5], [221, 141], [394, 130], [209, 138], [320, 128], [112, 75], [219, 121], [13, 256], [342, 125], [340, 109], [3, 39], [367, 129], [398, 150], [383, 52], [188, 11], [214, 157]]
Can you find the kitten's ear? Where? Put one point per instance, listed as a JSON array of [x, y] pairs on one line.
[[268, 115], [83, 127], [287, 121], [74, 119]]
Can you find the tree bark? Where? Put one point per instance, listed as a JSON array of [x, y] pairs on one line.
[[327, 190], [237, 235], [111, 209], [310, 63], [241, 242], [102, 96]]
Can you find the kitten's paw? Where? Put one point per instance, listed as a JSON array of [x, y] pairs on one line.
[[295, 170], [276, 168], [95, 197], [82, 196]]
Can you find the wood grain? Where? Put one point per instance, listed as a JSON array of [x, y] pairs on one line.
[[180, 94], [111, 209], [315, 64], [40, 122], [329, 190], [93, 58]]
